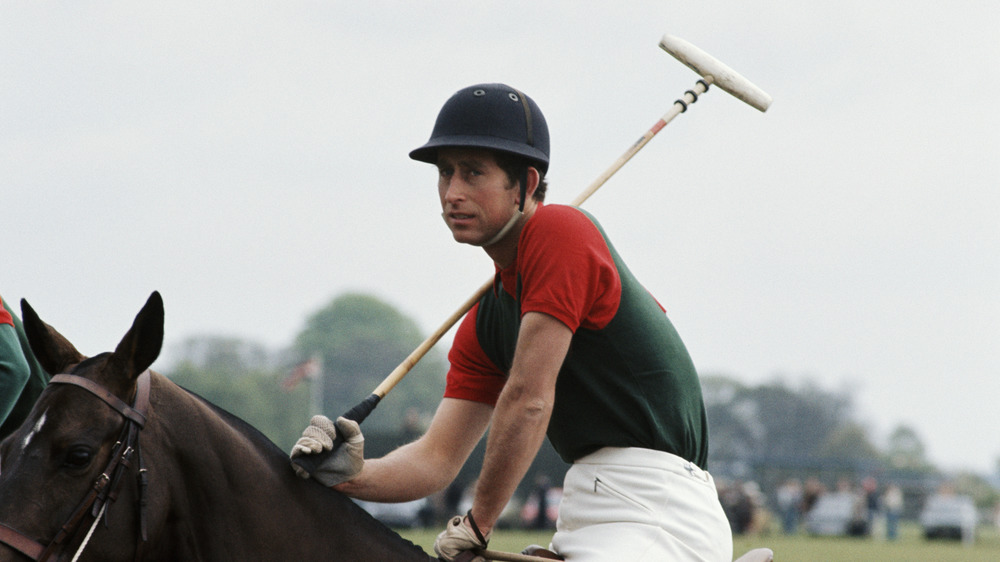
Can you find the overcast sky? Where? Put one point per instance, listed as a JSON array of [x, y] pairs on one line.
[[249, 161]]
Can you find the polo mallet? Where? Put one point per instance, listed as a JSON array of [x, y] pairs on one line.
[[711, 71]]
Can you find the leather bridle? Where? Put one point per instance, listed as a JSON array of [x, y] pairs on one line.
[[124, 456]]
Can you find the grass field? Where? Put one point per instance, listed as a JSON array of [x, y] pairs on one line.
[[799, 548]]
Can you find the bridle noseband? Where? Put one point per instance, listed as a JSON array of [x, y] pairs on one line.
[[104, 491]]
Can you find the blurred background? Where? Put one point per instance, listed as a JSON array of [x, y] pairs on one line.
[[831, 264]]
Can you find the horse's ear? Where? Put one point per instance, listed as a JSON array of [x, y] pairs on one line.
[[53, 351], [141, 345]]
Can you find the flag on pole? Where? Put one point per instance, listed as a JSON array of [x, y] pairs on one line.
[[309, 369]]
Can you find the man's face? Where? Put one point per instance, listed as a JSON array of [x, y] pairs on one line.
[[476, 195]]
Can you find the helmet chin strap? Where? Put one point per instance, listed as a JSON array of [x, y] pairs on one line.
[[520, 207], [503, 231]]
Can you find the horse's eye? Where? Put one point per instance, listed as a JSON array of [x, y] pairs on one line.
[[78, 457]]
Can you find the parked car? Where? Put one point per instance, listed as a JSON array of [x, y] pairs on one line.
[[838, 514], [406, 515], [949, 516]]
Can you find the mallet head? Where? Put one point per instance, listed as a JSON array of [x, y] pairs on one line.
[[717, 73]]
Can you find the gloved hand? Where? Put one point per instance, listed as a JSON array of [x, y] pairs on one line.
[[345, 463], [458, 538]]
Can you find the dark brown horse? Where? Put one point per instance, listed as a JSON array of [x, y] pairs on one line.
[[114, 450]]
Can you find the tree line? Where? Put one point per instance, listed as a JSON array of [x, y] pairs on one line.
[[766, 431]]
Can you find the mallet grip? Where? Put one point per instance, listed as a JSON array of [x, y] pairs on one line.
[[358, 413]]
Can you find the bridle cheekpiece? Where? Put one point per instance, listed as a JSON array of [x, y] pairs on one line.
[[124, 456]]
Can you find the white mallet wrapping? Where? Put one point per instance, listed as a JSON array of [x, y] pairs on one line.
[[720, 75]]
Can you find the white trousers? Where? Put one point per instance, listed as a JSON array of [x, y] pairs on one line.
[[640, 505]]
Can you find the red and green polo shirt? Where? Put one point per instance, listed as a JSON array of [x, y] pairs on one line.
[[627, 380]]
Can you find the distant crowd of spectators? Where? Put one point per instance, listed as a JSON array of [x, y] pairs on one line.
[[750, 512]]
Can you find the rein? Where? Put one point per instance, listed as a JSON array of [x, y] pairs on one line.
[[124, 456]]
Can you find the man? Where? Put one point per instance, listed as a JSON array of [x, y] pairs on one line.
[[567, 344], [22, 379]]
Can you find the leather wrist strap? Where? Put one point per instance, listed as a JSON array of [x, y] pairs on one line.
[[475, 528]]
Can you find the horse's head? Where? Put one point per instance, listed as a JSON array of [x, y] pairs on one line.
[[214, 485], [56, 458]]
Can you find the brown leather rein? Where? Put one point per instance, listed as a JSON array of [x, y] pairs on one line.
[[125, 455]]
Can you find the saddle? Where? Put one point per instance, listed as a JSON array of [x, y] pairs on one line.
[[755, 555], [535, 552], [539, 552]]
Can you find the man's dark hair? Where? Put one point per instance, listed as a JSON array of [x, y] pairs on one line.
[[515, 167]]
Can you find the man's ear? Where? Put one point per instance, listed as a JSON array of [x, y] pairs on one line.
[[534, 178]]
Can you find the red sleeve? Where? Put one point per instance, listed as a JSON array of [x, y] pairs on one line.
[[472, 375], [5, 317], [567, 269]]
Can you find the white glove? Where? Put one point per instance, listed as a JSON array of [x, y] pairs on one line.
[[345, 463], [458, 538]]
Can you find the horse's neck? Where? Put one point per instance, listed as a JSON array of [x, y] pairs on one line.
[[232, 486]]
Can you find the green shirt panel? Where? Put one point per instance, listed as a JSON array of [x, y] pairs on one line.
[[629, 384]]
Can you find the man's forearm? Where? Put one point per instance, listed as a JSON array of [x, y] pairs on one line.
[[522, 414], [515, 437], [428, 464], [397, 477]]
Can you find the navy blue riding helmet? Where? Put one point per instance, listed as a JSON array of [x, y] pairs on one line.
[[491, 116]]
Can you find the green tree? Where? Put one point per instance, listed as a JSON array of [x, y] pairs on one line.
[[773, 431], [239, 377], [977, 487], [360, 340], [799, 421], [850, 442], [906, 450], [770, 420], [734, 429]]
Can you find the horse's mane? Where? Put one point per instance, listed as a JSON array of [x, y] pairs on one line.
[[263, 443], [274, 454]]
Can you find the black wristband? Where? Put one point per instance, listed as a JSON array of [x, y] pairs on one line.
[[475, 528]]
